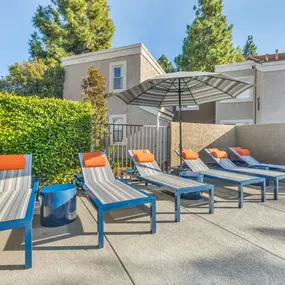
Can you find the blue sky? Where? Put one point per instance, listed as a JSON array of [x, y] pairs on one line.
[[159, 24]]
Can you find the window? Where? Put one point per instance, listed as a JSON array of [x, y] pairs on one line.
[[258, 103], [236, 122], [246, 96], [189, 108], [117, 74], [117, 128]]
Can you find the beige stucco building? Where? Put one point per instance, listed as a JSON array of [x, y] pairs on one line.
[[261, 105], [122, 68]]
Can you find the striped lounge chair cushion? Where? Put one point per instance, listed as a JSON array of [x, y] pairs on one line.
[[259, 171], [196, 164], [227, 175], [102, 183], [172, 181], [15, 192]]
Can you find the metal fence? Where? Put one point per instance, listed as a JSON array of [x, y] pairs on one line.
[[117, 139]]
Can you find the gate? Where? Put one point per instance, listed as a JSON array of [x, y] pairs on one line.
[[117, 139]]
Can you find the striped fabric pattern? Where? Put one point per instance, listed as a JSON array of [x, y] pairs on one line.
[[15, 192], [269, 173], [198, 165], [147, 168], [228, 164], [196, 87], [227, 175], [102, 183], [246, 158], [172, 181], [152, 172]]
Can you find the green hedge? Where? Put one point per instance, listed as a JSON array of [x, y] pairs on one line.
[[52, 130]]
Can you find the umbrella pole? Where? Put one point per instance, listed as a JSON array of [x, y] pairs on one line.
[[180, 123]]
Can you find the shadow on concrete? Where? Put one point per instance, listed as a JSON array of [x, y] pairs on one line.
[[45, 235], [279, 233]]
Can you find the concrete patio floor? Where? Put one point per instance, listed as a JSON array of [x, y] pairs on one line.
[[233, 246]]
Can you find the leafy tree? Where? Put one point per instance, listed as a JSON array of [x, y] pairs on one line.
[[94, 91], [209, 39], [34, 78], [71, 27], [165, 64], [66, 27], [250, 48]]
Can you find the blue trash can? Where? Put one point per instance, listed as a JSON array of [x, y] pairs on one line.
[[58, 205]]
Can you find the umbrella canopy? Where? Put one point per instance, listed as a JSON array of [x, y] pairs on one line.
[[184, 89]]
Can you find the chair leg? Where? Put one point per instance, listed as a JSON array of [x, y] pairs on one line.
[[100, 228], [153, 216], [28, 245], [240, 196], [276, 189], [177, 207], [211, 201], [263, 191]]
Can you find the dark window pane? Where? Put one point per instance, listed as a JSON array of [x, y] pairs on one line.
[[117, 72], [118, 83]]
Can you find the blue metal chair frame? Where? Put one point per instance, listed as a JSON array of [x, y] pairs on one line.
[[259, 165], [258, 180], [102, 208], [26, 223], [267, 177], [179, 191]]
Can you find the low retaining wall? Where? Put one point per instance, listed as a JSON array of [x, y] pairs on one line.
[[200, 136], [266, 142]]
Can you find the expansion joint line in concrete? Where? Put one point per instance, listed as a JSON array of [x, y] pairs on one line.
[[113, 249]]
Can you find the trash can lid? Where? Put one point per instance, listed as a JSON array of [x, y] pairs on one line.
[[57, 188]]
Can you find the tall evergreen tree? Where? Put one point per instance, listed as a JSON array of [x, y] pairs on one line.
[[66, 27], [71, 27], [209, 39], [166, 64], [250, 48]]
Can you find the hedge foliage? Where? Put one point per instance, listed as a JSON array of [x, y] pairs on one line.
[[52, 130]]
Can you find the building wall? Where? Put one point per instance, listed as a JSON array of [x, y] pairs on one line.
[[273, 99], [206, 114], [235, 111], [200, 136], [265, 141]]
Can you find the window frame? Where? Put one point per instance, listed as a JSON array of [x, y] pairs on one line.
[[124, 119], [235, 122], [189, 108], [123, 66]]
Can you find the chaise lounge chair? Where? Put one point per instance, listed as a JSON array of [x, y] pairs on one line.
[[17, 197], [108, 193], [244, 155], [194, 163], [150, 172], [221, 158]]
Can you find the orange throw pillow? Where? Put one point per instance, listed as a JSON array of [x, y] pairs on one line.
[[241, 151], [218, 153], [141, 155], [187, 154], [12, 162], [94, 159]]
